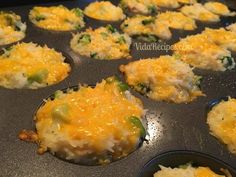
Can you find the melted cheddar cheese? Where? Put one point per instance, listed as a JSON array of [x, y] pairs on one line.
[[201, 52], [139, 6], [102, 43], [27, 65], [99, 124], [163, 79], [188, 171], [187, 1], [221, 37], [104, 10], [218, 8], [145, 25], [199, 12], [222, 122], [176, 20], [11, 28], [167, 3], [57, 18]]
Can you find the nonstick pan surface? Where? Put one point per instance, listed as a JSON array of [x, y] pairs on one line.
[[170, 126]]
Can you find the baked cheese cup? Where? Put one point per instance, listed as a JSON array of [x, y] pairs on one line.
[[163, 79], [167, 3], [104, 43], [186, 170], [147, 7], [90, 126], [218, 8], [28, 65], [199, 12], [201, 52], [222, 123], [146, 27], [176, 20], [104, 10], [222, 37], [12, 29], [139, 6], [57, 18]]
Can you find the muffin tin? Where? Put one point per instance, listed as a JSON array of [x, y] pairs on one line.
[[170, 126]]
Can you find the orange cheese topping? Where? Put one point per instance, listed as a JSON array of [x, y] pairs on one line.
[[28, 58], [205, 172], [163, 79], [97, 116], [57, 18], [222, 122]]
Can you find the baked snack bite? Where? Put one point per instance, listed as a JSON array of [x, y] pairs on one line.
[[167, 3], [222, 37], [139, 6], [218, 8], [57, 18], [201, 52], [12, 29], [186, 171], [199, 12], [176, 20], [103, 43], [163, 79], [222, 122], [28, 65], [91, 126], [104, 10], [146, 26]]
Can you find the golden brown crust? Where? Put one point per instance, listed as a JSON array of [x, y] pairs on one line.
[[28, 136]]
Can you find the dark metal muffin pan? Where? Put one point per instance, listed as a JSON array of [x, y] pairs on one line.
[[170, 126]]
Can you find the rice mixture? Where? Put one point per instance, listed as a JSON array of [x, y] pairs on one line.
[[27, 65], [222, 122], [12, 29], [104, 10], [186, 171], [104, 43], [163, 79], [57, 18], [202, 52], [92, 125]]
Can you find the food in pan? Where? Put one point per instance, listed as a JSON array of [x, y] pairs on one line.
[[104, 10], [187, 1], [167, 3], [186, 171], [152, 6], [157, 27], [146, 26], [94, 125], [218, 8], [57, 18], [222, 122], [11, 28], [27, 65], [199, 12], [139, 6], [222, 37], [201, 52], [163, 79], [176, 20], [104, 43], [232, 27]]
